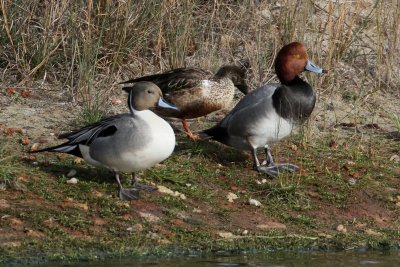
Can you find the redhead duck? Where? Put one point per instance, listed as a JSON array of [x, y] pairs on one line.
[[197, 92], [270, 112], [127, 142]]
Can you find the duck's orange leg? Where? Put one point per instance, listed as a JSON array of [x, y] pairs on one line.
[[189, 133]]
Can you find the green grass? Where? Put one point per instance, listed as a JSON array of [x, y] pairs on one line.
[[8, 162], [92, 113], [396, 121]]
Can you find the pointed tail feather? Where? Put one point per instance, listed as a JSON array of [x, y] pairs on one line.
[[216, 133], [203, 136], [63, 148]]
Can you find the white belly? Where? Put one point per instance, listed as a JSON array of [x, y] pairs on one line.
[[262, 132], [160, 147], [275, 129]]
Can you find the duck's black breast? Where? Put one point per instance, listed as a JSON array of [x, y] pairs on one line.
[[294, 101]]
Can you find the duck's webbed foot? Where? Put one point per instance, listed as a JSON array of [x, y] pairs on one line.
[[269, 167], [275, 169], [135, 184], [126, 193], [129, 193]]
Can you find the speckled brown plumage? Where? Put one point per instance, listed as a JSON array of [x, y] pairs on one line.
[[197, 92]]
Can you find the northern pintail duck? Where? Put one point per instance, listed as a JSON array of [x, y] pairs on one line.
[[197, 92], [270, 112], [127, 142]]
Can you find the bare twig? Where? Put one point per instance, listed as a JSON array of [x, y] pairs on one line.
[[6, 27], [43, 62]]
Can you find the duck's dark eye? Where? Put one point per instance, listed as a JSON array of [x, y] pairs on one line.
[[150, 92]]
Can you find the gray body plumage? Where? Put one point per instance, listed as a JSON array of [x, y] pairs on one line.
[[270, 112], [127, 142], [254, 121]]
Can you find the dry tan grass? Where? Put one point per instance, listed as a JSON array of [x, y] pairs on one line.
[[87, 47]]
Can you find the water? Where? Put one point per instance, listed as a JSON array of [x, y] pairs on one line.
[[280, 259]]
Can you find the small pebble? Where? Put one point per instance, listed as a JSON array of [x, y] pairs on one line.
[[72, 181], [245, 232], [226, 234], [35, 146], [352, 181], [254, 202], [341, 228], [78, 161], [395, 158], [263, 181], [231, 197]]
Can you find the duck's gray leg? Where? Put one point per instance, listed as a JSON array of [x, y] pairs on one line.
[[268, 157], [269, 170], [256, 162], [126, 193], [140, 186], [269, 167]]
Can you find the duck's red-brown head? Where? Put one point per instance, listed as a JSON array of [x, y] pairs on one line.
[[292, 60]]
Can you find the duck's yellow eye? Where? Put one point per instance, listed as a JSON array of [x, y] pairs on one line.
[[297, 56]]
